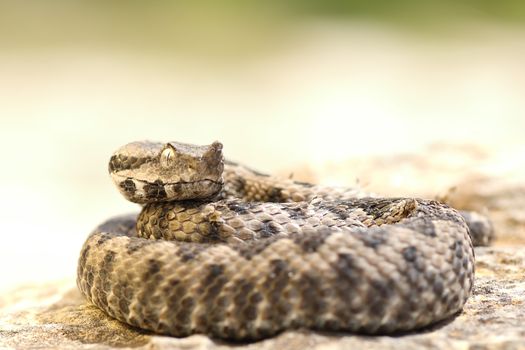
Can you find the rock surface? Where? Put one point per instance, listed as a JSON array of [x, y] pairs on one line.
[[56, 316]]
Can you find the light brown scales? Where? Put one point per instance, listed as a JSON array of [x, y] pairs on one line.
[[322, 264], [238, 221]]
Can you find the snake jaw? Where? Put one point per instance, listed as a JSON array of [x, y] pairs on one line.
[[141, 192]]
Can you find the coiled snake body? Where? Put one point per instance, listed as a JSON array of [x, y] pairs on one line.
[[223, 250]]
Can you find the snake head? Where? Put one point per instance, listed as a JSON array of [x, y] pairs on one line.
[[147, 172]]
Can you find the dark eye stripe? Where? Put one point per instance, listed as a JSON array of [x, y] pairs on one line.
[[119, 162]]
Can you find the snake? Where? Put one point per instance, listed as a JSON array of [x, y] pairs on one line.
[[223, 250]]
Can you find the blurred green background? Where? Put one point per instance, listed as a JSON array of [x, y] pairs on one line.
[[283, 84], [233, 26]]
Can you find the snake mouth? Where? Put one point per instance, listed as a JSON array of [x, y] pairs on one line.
[[143, 191]]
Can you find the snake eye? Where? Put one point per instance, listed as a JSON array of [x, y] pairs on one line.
[[167, 156]]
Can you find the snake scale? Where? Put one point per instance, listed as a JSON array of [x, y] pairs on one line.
[[226, 251]]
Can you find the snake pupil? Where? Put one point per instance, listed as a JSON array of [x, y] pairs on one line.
[[166, 157]]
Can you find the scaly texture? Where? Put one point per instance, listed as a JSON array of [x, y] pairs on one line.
[[267, 254]]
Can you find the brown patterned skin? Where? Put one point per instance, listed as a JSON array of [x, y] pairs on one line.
[[266, 254]]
